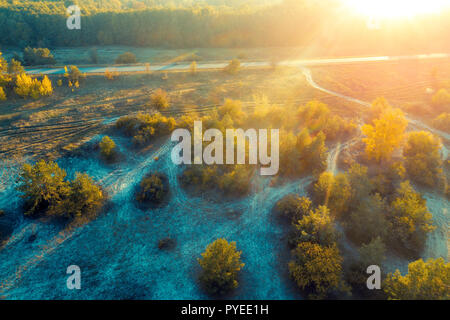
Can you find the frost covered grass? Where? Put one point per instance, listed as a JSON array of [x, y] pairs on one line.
[[118, 252]]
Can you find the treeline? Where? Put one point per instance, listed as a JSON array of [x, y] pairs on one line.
[[290, 23]]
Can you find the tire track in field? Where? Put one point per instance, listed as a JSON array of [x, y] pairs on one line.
[[52, 138]]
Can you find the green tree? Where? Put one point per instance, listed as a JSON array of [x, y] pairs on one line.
[[38, 56], [15, 67], [368, 220], [293, 207], [220, 264], [372, 253], [360, 183], [423, 160], [428, 280]]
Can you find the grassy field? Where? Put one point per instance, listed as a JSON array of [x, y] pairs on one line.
[[409, 85], [108, 54], [47, 126]]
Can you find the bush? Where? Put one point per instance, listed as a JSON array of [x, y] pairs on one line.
[[316, 269], [235, 180], [159, 100], [231, 180], [43, 186], [37, 56], [45, 190], [126, 58], [166, 244], [220, 265], [143, 127], [107, 148], [428, 280], [73, 75], [85, 198], [111, 75], [233, 67], [153, 188], [423, 160], [293, 207]]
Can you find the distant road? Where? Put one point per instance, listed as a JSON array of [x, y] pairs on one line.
[[219, 65]]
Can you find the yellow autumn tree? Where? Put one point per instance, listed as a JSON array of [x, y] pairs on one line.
[[26, 86], [2, 94], [379, 106], [428, 280], [35, 89], [23, 85], [221, 264], [385, 135], [46, 89], [317, 269]]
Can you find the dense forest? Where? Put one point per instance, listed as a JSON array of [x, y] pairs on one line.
[[219, 23]]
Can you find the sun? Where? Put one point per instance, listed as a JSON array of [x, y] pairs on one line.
[[392, 9]]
